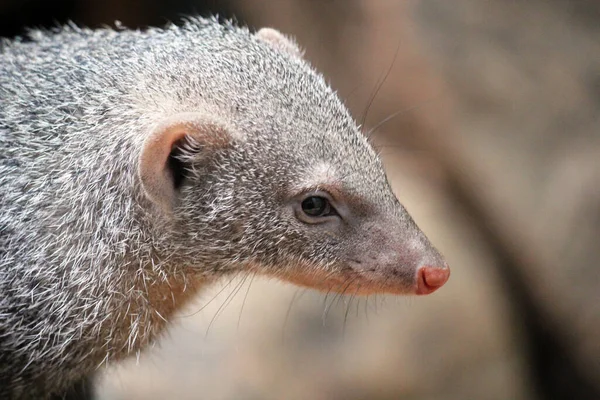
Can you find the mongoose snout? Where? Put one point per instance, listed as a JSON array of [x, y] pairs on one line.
[[369, 244], [138, 166]]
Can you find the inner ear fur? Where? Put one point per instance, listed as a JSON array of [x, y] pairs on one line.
[[159, 173], [280, 41]]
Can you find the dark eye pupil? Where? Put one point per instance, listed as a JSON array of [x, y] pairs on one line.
[[315, 206]]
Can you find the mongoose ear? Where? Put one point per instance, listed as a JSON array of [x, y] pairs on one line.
[[160, 167], [279, 41]]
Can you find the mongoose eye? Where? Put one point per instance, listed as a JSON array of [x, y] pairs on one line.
[[316, 206]]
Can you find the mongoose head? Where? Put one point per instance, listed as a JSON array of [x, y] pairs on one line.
[[270, 174]]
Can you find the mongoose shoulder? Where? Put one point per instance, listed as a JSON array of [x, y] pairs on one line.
[[138, 166]]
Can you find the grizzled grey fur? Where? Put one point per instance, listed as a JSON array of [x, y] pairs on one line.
[[87, 260]]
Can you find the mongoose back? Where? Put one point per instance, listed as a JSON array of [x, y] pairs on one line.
[[138, 166]]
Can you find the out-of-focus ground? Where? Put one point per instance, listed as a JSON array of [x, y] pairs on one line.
[[493, 147]]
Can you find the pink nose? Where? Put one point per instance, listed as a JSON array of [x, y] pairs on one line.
[[430, 279]]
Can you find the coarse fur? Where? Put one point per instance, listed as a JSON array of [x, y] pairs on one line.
[[92, 266]]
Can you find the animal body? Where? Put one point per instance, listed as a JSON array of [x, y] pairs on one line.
[[137, 167]]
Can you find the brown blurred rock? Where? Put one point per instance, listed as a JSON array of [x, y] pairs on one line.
[[524, 76]]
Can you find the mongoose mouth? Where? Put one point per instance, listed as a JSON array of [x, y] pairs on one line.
[[427, 280]]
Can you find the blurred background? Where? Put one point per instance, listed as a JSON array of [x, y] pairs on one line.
[[487, 114]]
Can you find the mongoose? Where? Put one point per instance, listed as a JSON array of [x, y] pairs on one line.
[[137, 167]]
